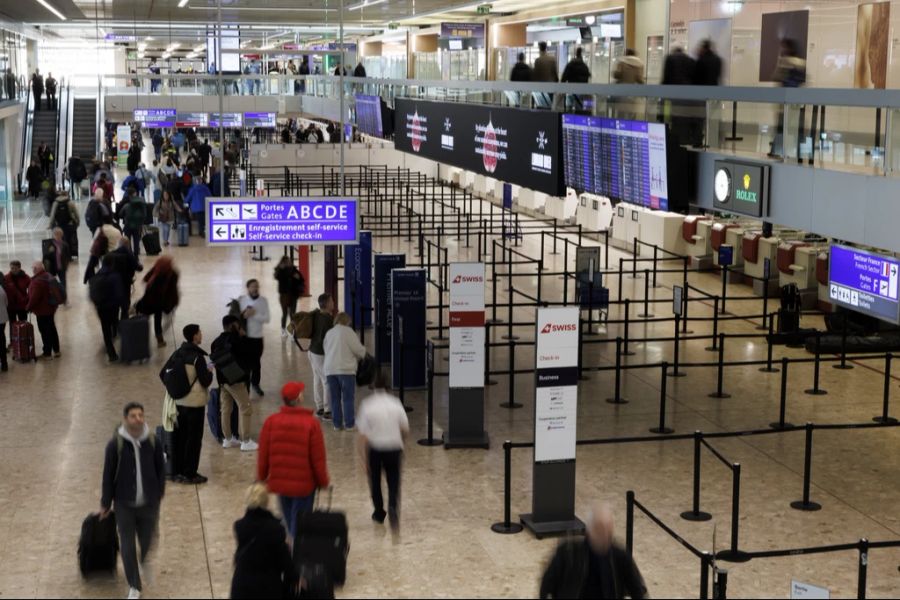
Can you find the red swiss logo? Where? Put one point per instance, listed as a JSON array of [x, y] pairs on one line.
[[468, 279], [550, 327]]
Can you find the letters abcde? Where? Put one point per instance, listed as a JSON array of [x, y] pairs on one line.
[[318, 211]]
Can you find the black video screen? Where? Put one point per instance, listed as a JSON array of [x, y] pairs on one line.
[[368, 115], [513, 145], [622, 160]]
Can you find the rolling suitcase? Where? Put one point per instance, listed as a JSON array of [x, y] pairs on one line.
[[183, 234], [322, 537], [150, 240], [22, 340], [135, 336], [98, 546]]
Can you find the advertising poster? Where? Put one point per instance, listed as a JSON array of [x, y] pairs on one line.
[[790, 25], [873, 26], [408, 324], [123, 144], [514, 145], [467, 334], [556, 384], [717, 31], [358, 280], [384, 264]]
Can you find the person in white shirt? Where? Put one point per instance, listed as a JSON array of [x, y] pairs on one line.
[[383, 428], [343, 351], [255, 311]]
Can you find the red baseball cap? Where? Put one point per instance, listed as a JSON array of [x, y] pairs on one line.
[[291, 390]]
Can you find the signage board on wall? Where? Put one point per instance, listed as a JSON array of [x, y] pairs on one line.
[[384, 264], [467, 334], [462, 30], [514, 145], [864, 282], [155, 117], [231, 120], [408, 327], [265, 120], [281, 221], [358, 280], [192, 119], [741, 188], [556, 384]]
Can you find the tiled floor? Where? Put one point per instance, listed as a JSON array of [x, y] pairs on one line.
[[55, 418]]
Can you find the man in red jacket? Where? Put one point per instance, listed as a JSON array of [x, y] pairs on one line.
[[43, 300], [16, 285], [291, 459]]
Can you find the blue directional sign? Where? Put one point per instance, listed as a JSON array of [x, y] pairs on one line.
[[281, 221], [864, 282]]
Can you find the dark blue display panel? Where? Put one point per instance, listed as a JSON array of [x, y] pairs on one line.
[[623, 160], [864, 282], [384, 263], [358, 280], [368, 115], [265, 120], [231, 120], [155, 117], [408, 302]]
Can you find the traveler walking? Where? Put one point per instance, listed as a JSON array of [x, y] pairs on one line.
[[133, 215], [34, 175], [204, 152], [576, 71], [166, 212], [157, 141], [383, 427], [629, 70], [196, 199], [544, 66], [343, 351], [106, 239], [255, 312], [291, 459], [56, 256], [107, 293], [64, 215], [263, 567], [105, 184], [187, 373], [790, 71], [126, 264], [708, 67], [11, 91], [290, 287], [134, 484], [16, 284], [37, 88], [50, 84], [230, 353], [521, 71], [77, 173], [678, 68], [321, 322], [44, 297], [594, 566], [44, 155], [4, 319], [160, 295]]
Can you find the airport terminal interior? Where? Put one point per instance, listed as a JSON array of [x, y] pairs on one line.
[[629, 267]]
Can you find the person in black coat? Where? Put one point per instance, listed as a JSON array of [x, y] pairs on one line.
[[107, 293], [678, 68], [262, 562], [360, 70], [521, 71], [37, 88], [593, 567], [34, 176], [126, 264], [708, 69], [576, 71]]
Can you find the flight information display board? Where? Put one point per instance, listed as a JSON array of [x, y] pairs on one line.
[[192, 119], [230, 120], [623, 160], [368, 115], [255, 119], [513, 145], [155, 117], [865, 282]]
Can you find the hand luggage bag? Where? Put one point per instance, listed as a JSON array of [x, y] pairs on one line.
[[150, 241], [98, 546], [322, 537], [22, 340], [183, 233], [135, 335], [317, 584]]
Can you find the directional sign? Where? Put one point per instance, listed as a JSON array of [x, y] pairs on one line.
[[865, 282], [282, 221]]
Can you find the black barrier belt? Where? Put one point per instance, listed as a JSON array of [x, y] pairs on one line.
[[716, 453], [808, 550], [668, 529]]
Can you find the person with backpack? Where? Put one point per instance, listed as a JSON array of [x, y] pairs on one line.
[[106, 239], [45, 294], [64, 216], [157, 142], [343, 351], [135, 180], [134, 484], [314, 326], [56, 256], [196, 199], [77, 173], [187, 377], [291, 459], [255, 313], [160, 294], [230, 353], [107, 293], [133, 213], [95, 211], [290, 288]]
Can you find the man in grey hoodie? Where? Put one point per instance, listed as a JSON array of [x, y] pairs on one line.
[[134, 478]]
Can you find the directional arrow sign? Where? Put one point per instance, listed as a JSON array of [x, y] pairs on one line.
[[249, 211], [220, 233], [219, 211]]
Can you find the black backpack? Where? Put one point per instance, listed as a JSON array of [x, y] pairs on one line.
[[98, 546], [92, 215], [63, 217], [226, 363], [174, 377]]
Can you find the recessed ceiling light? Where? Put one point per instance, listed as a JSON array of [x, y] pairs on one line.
[[52, 9], [182, 3]]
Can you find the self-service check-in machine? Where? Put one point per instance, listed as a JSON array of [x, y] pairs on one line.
[[756, 250], [797, 265], [662, 229], [824, 303], [718, 238], [696, 232], [562, 209], [594, 213], [532, 200]]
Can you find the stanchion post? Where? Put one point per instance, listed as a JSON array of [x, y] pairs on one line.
[[661, 428], [655, 267], [769, 344], [782, 405], [705, 561], [724, 286], [720, 584], [554, 238], [634, 257], [625, 350], [629, 522], [621, 278], [766, 305], [720, 371], [507, 526], [618, 399], [676, 351], [863, 566], [695, 513], [884, 418], [511, 400], [805, 504], [646, 314], [843, 364], [815, 390], [430, 440], [715, 331]]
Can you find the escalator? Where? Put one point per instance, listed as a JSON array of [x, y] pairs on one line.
[[84, 128]]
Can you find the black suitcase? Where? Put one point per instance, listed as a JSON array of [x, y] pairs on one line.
[[317, 583], [98, 546], [167, 439], [150, 240], [322, 538], [135, 336]]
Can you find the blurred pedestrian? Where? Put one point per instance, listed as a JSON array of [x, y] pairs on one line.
[[544, 66], [161, 295], [520, 71], [343, 351], [576, 71], [322, 321], [290, 287], [44, 297], [232, 373], [107, 293], [4, 319], [64, 215], [16, 285], [790, 72], [708, 68], [629, 70], [56, 256]]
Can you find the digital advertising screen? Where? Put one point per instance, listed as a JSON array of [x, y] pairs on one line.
[[230, 120], [864, 282], [155, 117], [513, 145], [192, 119], [368, 115], [259, 119], [623, 160]]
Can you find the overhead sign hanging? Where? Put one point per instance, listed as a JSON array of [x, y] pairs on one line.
[[864, 282]]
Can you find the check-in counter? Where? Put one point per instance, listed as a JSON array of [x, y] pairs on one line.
[[734, 237], [664, 230], [824, 300], [478, 185], [696, 231], [498, 191], [487, 191], [532, 200], [562, 209], [756, 249], [718, 237], [449, 174], [797, 265], [594, 213]]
